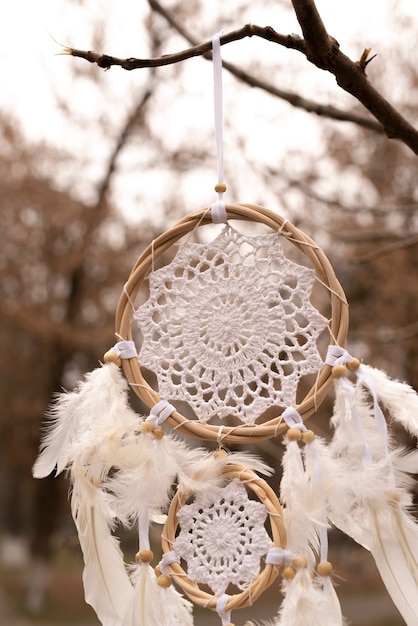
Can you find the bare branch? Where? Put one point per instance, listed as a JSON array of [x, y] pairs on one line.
[[324, 52], [318, 47], [390, 248]]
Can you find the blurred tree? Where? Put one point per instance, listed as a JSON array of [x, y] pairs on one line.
[[63, 263]]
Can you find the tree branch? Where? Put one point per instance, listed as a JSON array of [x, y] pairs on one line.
[[324, 52], [318, 47]]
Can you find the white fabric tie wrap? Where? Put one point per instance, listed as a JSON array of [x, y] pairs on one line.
[[279, 556], [167, 559], [293, 419], [125, 350], [218, 211], [221, 609], [160, 412], [219, 215]]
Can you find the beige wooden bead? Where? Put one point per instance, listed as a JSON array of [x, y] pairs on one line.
[[164, 581], [157, 571], [220, 187], [219, 453], [95, 481], [288, 572], [294, 434], [300, 562], [158, 433], [338, 371], [308, 436], [144, 556], [353, 365], [147, 427], [325, 568], [112, 357]]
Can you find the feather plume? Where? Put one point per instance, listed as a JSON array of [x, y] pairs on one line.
[[370, 496], [106, 582], [152, 605], [307, 601], [83, 419], [299, 508], [400, 399]]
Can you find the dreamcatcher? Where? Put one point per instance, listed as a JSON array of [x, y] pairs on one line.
[[227, 347]]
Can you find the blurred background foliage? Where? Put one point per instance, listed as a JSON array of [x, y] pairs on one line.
[[121, 157]]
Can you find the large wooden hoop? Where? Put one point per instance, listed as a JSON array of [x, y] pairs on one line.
[[244, 433], [269, 573]]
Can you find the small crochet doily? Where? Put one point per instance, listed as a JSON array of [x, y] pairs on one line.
[[222, 539]]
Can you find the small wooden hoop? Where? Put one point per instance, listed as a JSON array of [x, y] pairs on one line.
[[244, 433], [269, 573]]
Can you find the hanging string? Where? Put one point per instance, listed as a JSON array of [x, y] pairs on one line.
[[219, 215]]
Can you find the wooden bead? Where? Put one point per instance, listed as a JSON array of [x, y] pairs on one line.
[[300, 562], [338, 371], [147, 427], [288, 572], [294, 434], [164, 581], [157, 571], [324, 569], [220, 453], [112, 357], [353, 365], [95, 481], [158, 433], [220, 187], [144, 556], [308, 436]]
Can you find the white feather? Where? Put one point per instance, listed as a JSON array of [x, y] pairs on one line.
[[81, 419], [303, 492], [106, 582], [152, 605], [307, 603], [144, 478], [370, 499], [201, 471], [400, 399], [294, 494]]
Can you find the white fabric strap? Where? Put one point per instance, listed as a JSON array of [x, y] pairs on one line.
[[278, 556], [143, 527], [160, 412], [218, 208], [167, 559], [218, 213], [293, 419], [221, 609], [125, 350], [337, 356]]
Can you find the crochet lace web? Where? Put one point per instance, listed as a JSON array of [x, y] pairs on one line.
[[223, 538], [229, 327]]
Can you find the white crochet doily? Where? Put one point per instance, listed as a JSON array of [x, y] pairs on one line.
[[229, 327], [223, 538]]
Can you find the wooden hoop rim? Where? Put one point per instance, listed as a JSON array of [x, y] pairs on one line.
[[243, 433], [269, 573]]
